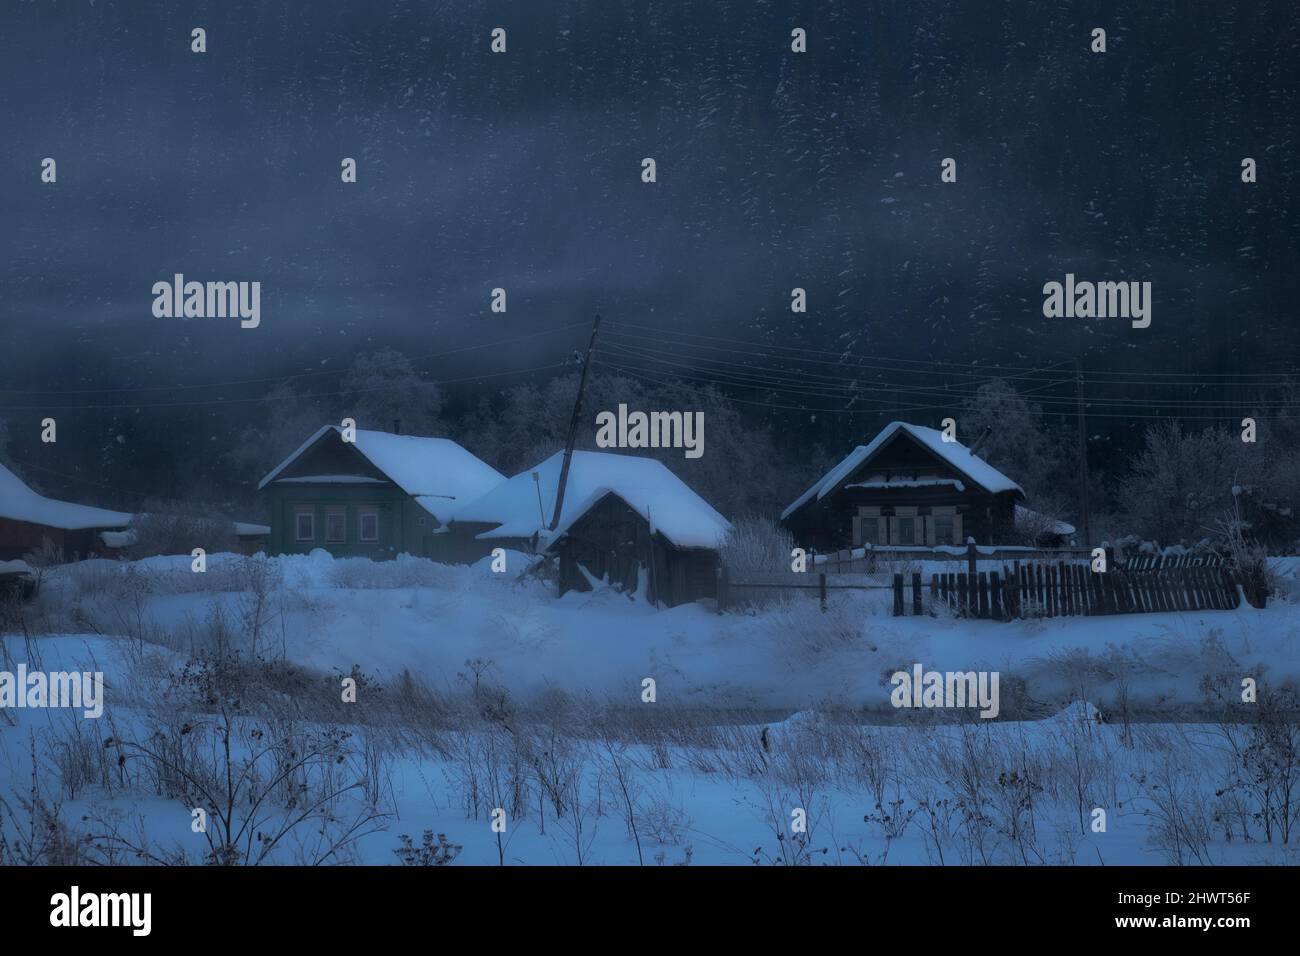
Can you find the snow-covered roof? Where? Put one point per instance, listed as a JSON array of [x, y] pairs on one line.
[[425, 468], [1030, 517], [646, 485], [20, 503], [955, 454]]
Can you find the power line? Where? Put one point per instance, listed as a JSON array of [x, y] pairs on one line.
[[840, 387], [762, 352], [935, 406], [959, 368], [312, 395]]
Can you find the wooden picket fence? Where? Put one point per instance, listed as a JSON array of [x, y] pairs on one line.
[[1066, 590]]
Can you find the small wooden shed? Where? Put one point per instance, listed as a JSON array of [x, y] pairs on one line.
[[627, 521]]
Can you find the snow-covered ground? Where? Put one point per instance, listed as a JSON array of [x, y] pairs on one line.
[[478, 692]]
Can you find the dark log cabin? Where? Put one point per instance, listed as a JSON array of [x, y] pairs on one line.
[[611, 541], [624, 518], [907, 488]]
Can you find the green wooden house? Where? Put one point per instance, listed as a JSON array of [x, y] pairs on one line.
[[378, 496]]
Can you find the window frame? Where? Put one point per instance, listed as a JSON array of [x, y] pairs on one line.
[[300, 512], [946, 513], [341, 513], [364, 512]]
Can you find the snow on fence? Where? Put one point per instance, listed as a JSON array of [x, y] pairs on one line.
[[1060, 588], [1150, 562], [1066, 590], [877, 558]]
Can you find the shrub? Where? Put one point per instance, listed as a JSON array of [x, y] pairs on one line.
[[428, 853]]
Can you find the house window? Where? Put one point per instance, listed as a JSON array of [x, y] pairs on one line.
[[866, 528], [335, 523], [304, 523], [906, 529], [945, 530], [906, 525], [368, 524]]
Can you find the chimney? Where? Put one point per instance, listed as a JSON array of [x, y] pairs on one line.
[[397, 426], [988, 430]]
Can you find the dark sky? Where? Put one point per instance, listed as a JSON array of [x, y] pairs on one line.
[[522, 170]]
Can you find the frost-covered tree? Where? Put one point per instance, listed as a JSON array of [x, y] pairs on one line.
[[384, 387], [1019, 442], [1182, 482]]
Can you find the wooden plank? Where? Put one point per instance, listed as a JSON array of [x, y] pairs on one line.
[[962, 606], [1165, 594], [1178, 588], [1018, 583], [1123, 593], [1211, 588], [1198, 576], [1216, 582], [1212, 583], [916, 594], [898, 595], [1193, 599], [1067, 603], [983, 579], [995, 597], [1230, 585], [1099, 595]]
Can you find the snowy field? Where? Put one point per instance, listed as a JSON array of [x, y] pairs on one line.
[[483, 699]]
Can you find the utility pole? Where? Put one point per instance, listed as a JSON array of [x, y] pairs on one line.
[[1083, 455], [573, 428]]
